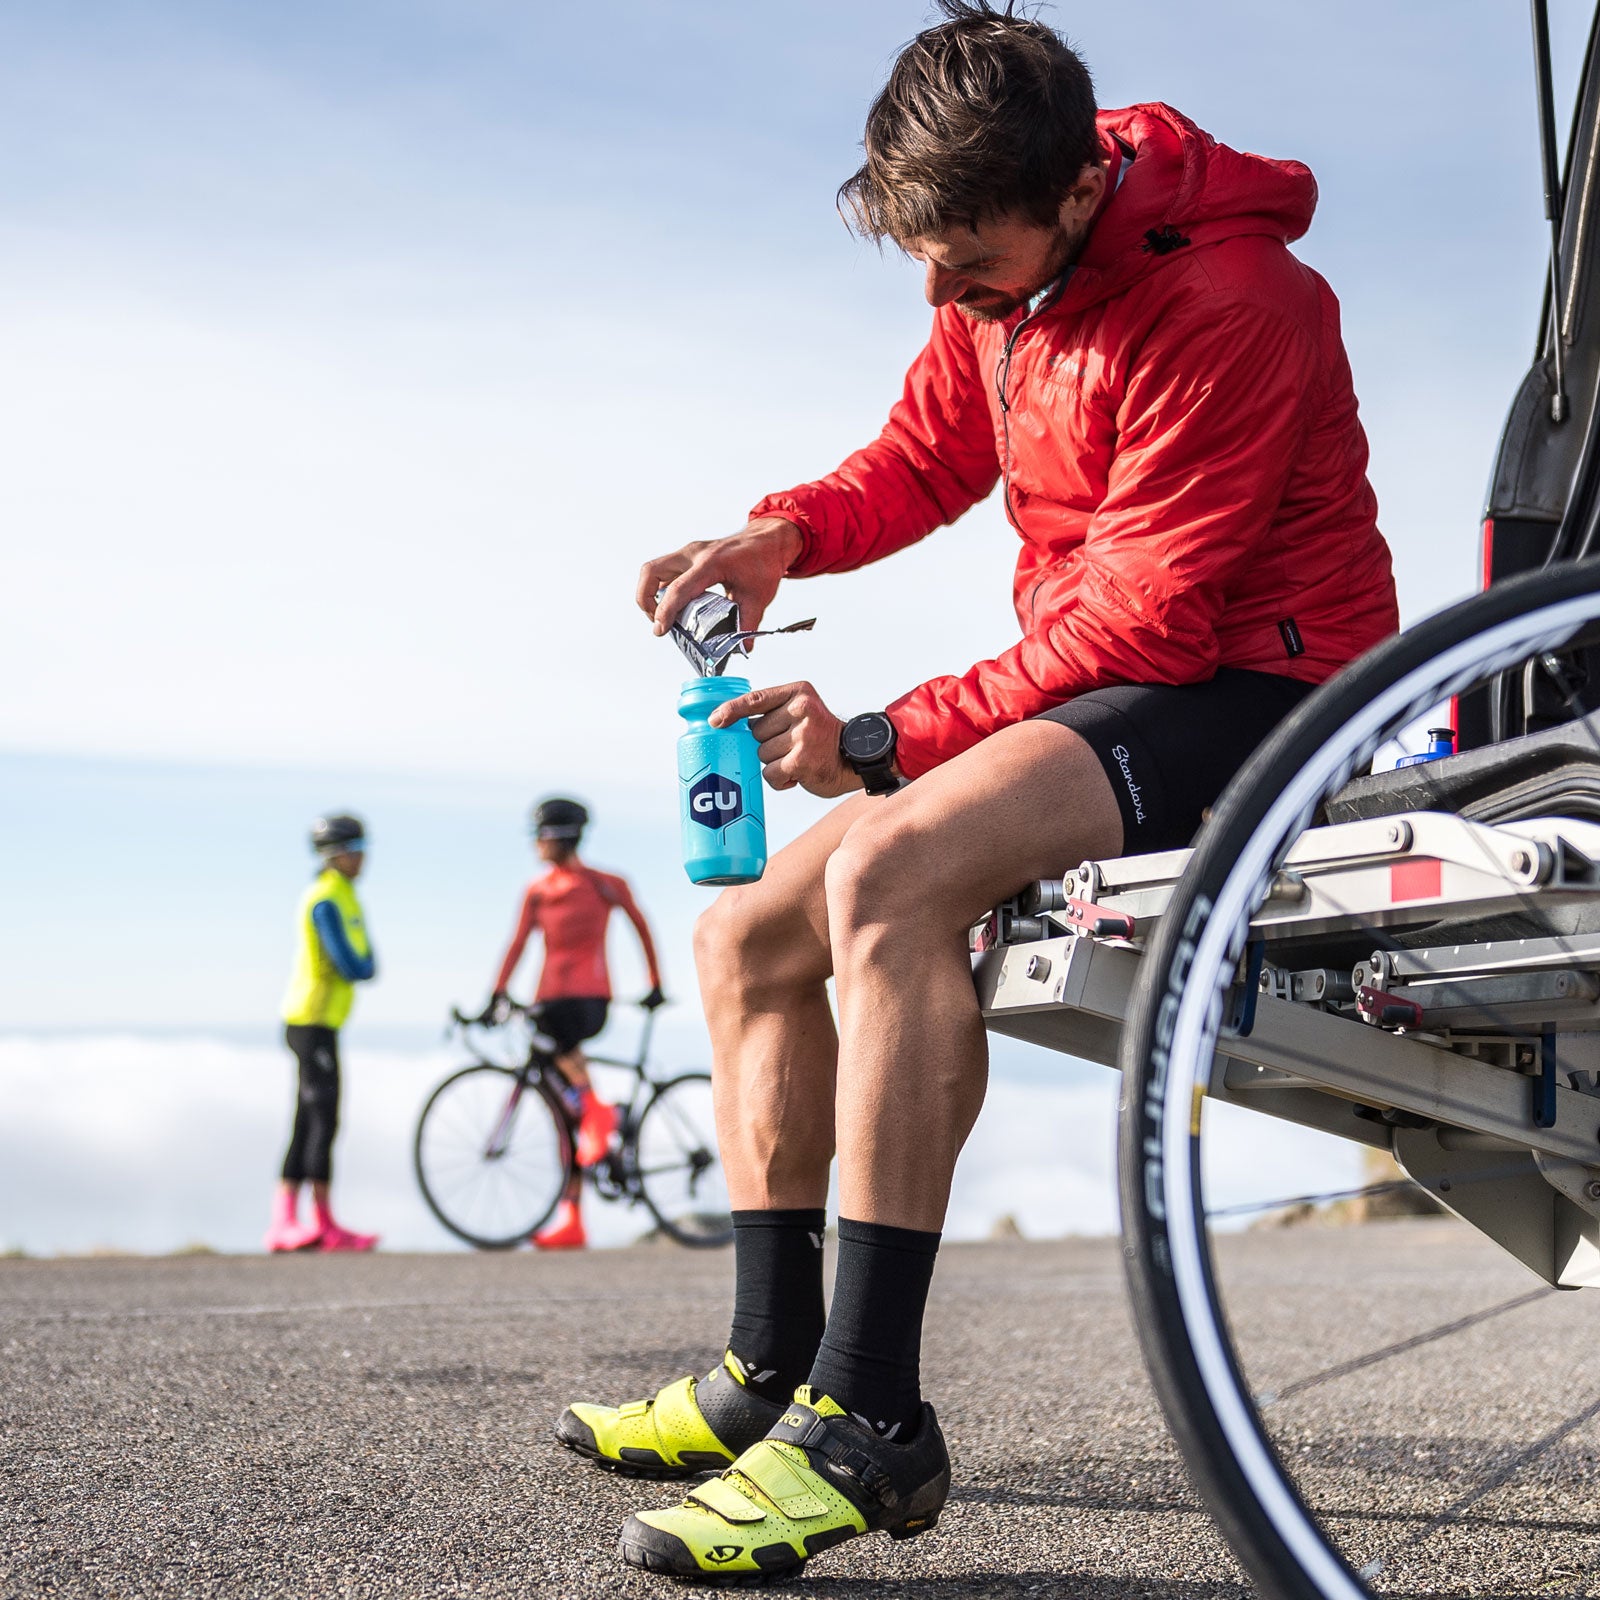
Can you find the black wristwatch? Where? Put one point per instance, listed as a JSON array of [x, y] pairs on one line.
[[867, 745]]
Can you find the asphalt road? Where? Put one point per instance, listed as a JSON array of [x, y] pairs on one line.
[[361, 1427]]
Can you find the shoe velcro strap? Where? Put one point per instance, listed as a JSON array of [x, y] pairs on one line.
[[803, 1427], [678, 1422], [719, 1495], [675, 1404], [778, 1477], [635, 1408]]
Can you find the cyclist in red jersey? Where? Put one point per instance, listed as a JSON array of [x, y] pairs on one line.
[[570, 905]]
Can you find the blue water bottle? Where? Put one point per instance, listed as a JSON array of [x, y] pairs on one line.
[[719, 788]]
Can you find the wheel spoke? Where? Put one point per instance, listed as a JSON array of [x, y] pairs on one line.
[[675, 1166], [490, 1199], [1272, 1397]]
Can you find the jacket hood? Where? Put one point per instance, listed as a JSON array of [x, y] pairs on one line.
[[1184, 190]]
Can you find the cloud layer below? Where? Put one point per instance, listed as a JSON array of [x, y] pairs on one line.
[[150, 1144]]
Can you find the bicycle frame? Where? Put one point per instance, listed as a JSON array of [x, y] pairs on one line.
[[541, 1062], [643, 1084]]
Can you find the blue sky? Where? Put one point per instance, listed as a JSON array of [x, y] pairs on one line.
[[353, 356]]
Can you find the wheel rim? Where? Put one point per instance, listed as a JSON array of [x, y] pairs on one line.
[[1170, 1045], [678, 1169], [490, 1173]]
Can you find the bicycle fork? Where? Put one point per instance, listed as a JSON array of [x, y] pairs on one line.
[[500, 1135]]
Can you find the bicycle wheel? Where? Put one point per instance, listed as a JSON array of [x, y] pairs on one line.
[[1379, 1409], [493, 1154], [676, 1165]]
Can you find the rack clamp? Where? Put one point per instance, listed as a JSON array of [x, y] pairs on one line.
[[1384, 1010], [1085, 917], [1053, 897]]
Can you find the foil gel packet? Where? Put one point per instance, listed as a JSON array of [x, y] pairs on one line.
[[707, 632]]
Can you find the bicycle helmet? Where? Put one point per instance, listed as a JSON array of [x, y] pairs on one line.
[[556, 818], [338, 835]]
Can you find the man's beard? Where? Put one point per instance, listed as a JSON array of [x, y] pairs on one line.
[[995, 305]]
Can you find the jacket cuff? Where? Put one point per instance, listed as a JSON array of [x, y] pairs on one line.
[[806, 564], [913, 756]]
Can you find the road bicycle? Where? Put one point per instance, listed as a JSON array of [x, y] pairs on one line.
[[496, 1145]]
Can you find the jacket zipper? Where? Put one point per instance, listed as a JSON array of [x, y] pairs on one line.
[[1002, 384]]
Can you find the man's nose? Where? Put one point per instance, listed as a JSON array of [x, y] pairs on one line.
[[942, 285]]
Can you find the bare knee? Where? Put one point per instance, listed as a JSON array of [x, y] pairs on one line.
[[884, 874], [728, 927], [750, 938]]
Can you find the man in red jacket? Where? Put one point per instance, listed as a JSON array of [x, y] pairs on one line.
[[1123, 344]]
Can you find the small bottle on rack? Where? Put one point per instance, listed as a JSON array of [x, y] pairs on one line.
[[1441, 743]]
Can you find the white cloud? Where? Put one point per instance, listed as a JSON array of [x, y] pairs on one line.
[[148, 1144]]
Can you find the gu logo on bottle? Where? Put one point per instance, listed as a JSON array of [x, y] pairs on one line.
[[715, 801]]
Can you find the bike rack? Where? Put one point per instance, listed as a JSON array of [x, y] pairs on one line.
[[1476, 1062]]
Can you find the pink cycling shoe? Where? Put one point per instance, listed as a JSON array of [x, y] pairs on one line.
[[287, 1232], [595, 1128], [337, 1238], [332, 1237]]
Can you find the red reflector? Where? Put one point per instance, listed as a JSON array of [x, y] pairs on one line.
[[1415, 880]]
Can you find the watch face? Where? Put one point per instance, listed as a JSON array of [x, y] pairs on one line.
[[869, 737]]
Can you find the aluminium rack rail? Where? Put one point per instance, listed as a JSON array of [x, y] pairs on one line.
[[1381, 999]]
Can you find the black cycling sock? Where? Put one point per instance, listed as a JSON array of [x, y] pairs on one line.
[[870, 1357], [777, 1298]]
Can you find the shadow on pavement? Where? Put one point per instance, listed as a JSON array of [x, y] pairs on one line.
[[1005, 1586]]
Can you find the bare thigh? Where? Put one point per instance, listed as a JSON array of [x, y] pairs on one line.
[[1030, 802]]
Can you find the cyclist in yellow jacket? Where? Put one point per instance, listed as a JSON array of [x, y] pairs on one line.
[[332, 955]]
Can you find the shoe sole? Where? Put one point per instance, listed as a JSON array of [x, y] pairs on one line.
[[655, 1550]]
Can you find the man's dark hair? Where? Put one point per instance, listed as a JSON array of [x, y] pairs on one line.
[[987, 112]]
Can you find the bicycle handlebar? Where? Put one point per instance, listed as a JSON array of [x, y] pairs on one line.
[[515, 1008]]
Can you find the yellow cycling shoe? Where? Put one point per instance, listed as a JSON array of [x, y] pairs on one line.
[[691, 1426], [818, 1478]]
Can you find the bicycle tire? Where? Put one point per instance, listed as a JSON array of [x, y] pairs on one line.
[[459, 1116], [1170, 1040], [675, 1166]]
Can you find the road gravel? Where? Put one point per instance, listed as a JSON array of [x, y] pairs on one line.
[[380, 1426]]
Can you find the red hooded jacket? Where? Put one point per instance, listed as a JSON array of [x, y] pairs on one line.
[[1185, 466]]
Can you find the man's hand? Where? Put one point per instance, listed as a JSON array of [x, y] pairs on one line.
[[798, 736], [749, 564]]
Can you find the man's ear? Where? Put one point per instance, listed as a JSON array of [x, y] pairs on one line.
[[1081, 200]]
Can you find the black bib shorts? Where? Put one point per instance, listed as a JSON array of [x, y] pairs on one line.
[[1170, 750], [570, 1022]]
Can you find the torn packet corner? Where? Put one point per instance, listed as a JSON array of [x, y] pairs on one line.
[[707, 632]]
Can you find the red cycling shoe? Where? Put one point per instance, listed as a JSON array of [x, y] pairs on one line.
[[595, 1128], [564, 1231]]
